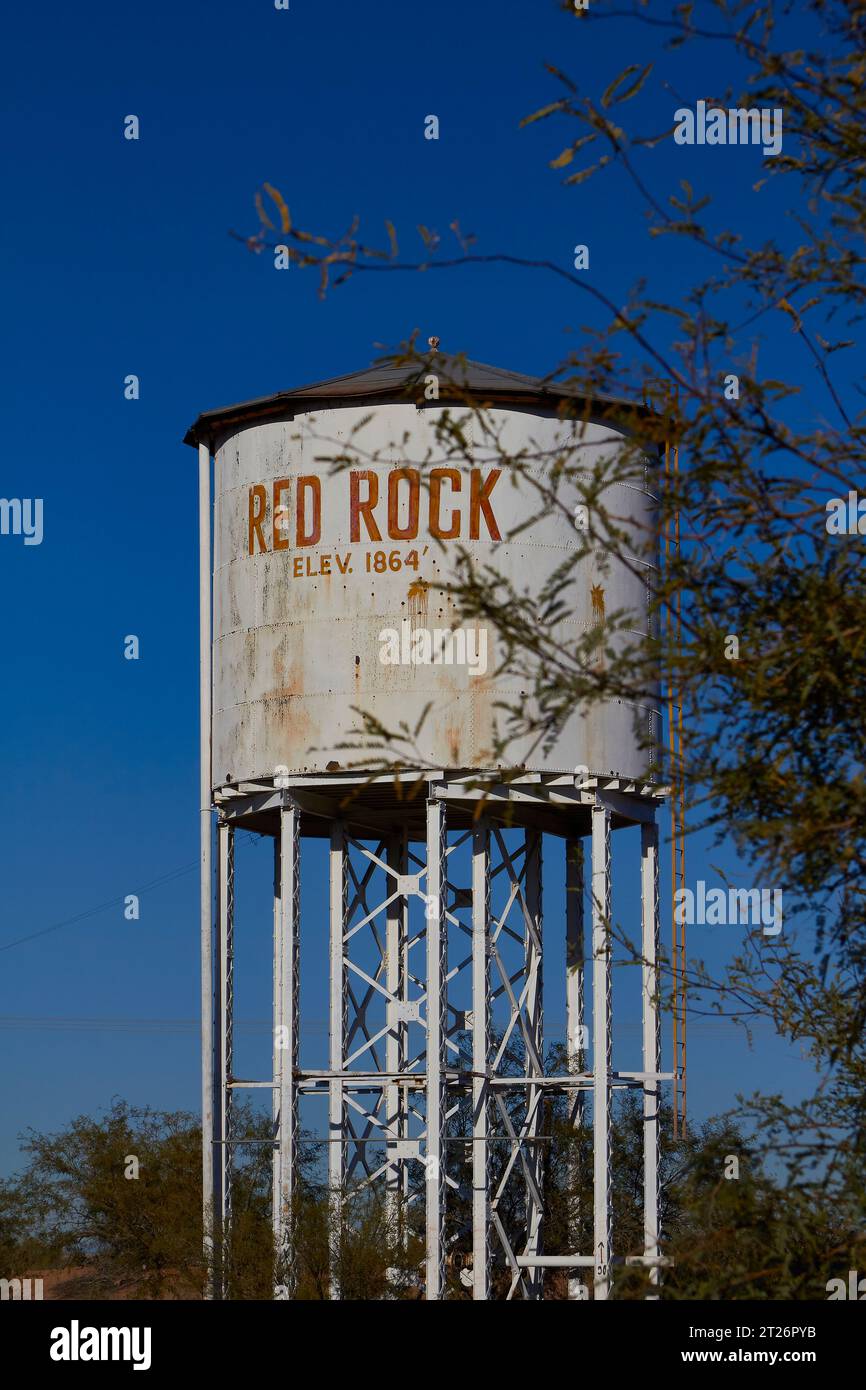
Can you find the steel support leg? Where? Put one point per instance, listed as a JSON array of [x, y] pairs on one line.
[[651, 1040], [577, 1035], [480, 1060], [395, 1041], [286, 1030], [338, 1004], [534, 1059], [225, 993], [601, 1046], [575, 1025], [436, 1033], [205, 879]]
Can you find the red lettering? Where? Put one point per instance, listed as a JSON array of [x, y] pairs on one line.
[[410, 530], [309, 483], [257, 516], [358, 509], [437, 476], [479, 502], [281, 515]]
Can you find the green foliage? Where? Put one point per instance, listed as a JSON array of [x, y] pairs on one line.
[[130, 1234], [743, 1236]]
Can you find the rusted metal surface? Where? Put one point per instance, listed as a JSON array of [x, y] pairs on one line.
[[312, 565]]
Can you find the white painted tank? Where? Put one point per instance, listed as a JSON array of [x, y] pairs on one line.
[[323, 579]]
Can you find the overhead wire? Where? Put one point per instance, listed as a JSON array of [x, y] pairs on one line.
[[117, 901]]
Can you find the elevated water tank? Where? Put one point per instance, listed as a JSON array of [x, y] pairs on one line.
[[325, 578]]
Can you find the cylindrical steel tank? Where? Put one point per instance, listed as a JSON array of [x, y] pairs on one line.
[[324, 579]]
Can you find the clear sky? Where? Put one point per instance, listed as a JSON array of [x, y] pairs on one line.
[[116, 260]]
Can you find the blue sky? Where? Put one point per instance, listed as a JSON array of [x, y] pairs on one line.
[[117, 260]]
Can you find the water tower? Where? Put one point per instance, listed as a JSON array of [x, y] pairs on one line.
[[432, 929]]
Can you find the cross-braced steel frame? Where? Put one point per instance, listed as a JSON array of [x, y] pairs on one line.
[[437, 1087]]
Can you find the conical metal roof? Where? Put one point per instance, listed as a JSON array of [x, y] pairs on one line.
[[458, 377]]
